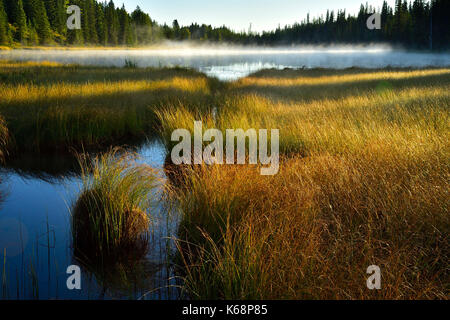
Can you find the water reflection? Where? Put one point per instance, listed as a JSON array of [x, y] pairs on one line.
[[40, 193]]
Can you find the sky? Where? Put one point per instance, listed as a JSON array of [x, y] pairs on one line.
[[239, 14]]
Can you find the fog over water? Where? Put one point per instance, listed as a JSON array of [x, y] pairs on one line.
[[231, 63]]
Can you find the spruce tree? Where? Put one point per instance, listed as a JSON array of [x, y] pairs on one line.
[[56, 12], [125, 33], [37, 14], [75, 37], [89, 22], [142, 25], [112, 24], [18, 19], [5, 38], [101, 24]]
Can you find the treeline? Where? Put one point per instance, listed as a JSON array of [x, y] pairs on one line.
[[416, 24], [44, 22]]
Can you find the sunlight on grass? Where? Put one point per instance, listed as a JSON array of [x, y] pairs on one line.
[[363, 180], [337, 79], [50, 106], [365, 162]]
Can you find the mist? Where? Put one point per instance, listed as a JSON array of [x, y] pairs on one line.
[[233, 62]]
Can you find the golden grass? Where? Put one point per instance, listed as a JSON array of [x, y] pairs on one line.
[[311, 231], [364, 180], [364, 176], [31, 94], [52, 106], [309, 80]]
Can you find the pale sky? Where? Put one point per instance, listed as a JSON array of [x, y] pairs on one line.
[[238, 14]]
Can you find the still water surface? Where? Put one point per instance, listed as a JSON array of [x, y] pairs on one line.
[[36, 196]]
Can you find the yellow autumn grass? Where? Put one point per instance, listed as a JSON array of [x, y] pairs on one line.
[[309, 78], [56, 106], [364, 179], [32, 93], [364, 173]]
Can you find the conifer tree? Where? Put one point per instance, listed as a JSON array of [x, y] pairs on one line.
[[101, 24], [75, 37], [142, 25], [5, 38], [125, 33], [37, 15], [112, 24], [18, 19], [56, 13], [89, 22]]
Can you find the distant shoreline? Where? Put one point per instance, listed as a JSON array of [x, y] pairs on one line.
[[224, 46]]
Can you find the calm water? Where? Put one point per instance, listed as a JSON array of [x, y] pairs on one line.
[[36, 196], [231, 63]]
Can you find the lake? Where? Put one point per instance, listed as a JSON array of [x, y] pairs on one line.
[[231, 63]]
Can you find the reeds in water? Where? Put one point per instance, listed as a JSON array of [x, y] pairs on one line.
[[110, 218]]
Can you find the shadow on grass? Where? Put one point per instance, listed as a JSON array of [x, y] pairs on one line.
[[12, 73]]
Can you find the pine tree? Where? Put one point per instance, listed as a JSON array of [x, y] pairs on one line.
[[125, 34], [142, 26], [5, 38], [89, 22], [101, 24], [50, 7], [33, 38], [37, 14], [112, 24], [56, 14], [75, 36], [18, 19]]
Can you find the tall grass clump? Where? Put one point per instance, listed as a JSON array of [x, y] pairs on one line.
[[110, 218]]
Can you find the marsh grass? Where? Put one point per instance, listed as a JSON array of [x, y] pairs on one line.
[[48, 106], [130, 64], [364, 174], [110, 220], [363, 180]]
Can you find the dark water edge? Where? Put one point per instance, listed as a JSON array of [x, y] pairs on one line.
[[36, 195]]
